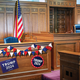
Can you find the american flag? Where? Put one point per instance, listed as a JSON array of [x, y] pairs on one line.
[[18, 32]]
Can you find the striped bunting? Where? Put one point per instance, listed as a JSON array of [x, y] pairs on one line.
[[11, 51]]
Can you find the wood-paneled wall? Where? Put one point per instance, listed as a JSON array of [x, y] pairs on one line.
[[34, 16], [6, 21]]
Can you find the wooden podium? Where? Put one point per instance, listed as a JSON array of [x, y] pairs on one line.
[[69, 65], [26, 71]]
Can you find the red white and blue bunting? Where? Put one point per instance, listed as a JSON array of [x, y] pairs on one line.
[[11, 51]]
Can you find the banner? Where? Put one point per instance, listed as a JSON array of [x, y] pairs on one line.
[[8, 65], [33, 49]]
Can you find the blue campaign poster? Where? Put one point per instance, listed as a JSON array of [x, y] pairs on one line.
[[37, 61], [9, 65]]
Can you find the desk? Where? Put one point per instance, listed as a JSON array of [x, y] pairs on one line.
[[69, 65], [26, 71]]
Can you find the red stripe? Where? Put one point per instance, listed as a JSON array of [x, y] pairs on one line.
[[20, 27], [19, 21], [20, 34]]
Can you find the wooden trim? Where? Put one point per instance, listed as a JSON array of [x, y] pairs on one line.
[[22, 3], [48, 18]]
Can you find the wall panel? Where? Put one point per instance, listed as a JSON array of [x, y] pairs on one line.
[[34, 23], [42, 23], [77, 15], [2, 25], [42, 19], [78, 18], [10, 24], [26, 22]]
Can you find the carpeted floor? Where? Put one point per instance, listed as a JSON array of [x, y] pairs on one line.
[[53, 75]]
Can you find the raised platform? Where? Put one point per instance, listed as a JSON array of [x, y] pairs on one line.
[[53, 75]]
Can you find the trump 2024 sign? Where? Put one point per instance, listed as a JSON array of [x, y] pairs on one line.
[[8, 65], [37, 61]]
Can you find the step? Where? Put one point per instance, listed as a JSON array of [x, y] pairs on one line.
[[53, 75]]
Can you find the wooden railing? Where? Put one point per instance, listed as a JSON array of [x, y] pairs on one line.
[[30, 38], [38, 37]]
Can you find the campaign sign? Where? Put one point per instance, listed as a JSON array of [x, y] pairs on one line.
[[37, 61], [8, 65]]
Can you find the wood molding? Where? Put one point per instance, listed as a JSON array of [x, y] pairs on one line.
[[62, 3]]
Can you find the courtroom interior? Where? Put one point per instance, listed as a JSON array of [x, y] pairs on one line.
[[39, 40]]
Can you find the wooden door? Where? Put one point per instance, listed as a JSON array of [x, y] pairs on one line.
[[61, 13], [63, 20], [51, 20]]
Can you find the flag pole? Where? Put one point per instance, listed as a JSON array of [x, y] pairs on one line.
[[17, 18], [19, 23]]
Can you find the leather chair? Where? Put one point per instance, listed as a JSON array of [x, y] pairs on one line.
[[76, 28], [11, 40]]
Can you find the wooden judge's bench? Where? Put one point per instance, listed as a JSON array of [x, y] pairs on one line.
[[61, 41]]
